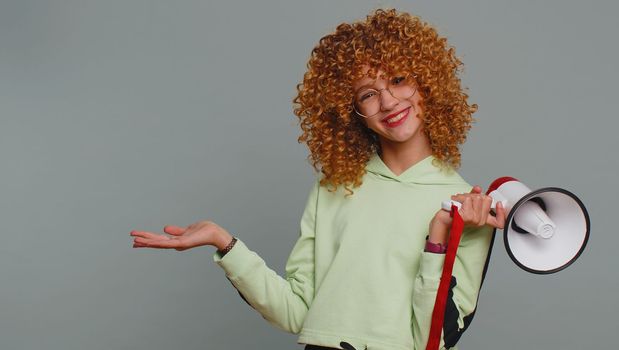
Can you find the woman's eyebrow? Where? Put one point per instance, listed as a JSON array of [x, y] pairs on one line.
[[365, 86]]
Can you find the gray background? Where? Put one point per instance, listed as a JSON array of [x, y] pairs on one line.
[[121, 115]]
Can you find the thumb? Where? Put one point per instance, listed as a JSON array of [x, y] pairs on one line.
[[174, 230]]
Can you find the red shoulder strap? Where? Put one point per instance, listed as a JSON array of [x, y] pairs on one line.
[[438, 314]]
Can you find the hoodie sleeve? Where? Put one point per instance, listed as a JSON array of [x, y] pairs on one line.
[[468, 273], [283, 302]]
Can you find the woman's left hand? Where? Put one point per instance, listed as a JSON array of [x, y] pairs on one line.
[[475, 209]]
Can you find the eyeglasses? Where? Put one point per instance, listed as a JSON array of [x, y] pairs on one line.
[[366, 102]]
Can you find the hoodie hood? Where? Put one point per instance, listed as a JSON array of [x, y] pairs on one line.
[[422, 172]]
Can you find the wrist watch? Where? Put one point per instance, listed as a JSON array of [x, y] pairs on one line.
[[437, 248], [228, 247]]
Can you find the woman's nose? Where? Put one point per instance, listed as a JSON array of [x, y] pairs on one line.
[[387, 101]]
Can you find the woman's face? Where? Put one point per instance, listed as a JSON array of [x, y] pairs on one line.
[[391, 108]]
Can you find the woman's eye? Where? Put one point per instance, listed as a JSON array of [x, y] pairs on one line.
[[366, 96], [397, 80]]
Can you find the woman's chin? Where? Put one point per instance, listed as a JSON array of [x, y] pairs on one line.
[[403, 134]]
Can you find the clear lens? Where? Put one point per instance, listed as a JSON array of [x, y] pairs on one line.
[[367, 101]]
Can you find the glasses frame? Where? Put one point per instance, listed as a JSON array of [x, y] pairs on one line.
[[380, 91]]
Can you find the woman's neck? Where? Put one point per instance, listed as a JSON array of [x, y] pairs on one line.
[[399, 156]]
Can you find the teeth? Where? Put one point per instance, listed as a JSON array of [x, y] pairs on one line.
[[396, 118]]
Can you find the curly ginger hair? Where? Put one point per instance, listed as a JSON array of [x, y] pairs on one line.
[[398, 43]]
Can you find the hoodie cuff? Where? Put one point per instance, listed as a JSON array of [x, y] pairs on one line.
[[236, 260], [431, 265]]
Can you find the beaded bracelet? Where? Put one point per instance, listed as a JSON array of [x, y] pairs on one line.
[[228, 247]]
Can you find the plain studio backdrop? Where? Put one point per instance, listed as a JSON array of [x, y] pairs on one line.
[[131, 115]]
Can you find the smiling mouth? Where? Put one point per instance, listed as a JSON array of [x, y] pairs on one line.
[[396, 117]]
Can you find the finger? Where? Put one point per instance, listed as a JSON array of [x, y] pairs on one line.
[[476, 189], [492, 221], [499, 220], [500, 215], [485, 209], [460, 197], [477, 207], [164, 244], [466, 210], [149, 235], [142, 240], [174, 230], [475, 200]]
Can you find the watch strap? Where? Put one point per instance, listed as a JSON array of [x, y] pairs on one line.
[[436, 248]]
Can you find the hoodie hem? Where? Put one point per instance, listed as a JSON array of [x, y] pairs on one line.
[[322, 338]]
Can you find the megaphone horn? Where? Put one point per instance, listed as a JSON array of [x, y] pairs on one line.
[[545, 231]]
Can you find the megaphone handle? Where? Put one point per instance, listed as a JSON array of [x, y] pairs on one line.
[[446, 205]]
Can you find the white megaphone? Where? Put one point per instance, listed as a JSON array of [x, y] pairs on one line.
[[545, 231]]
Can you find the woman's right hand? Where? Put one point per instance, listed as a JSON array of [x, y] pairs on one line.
[[183, 238]]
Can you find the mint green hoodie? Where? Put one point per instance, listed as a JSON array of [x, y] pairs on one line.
[[358, 272]]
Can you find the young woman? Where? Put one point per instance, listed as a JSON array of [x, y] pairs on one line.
[[382, 110]]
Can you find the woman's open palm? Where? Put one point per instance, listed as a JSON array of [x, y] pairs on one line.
[[179, 238]]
